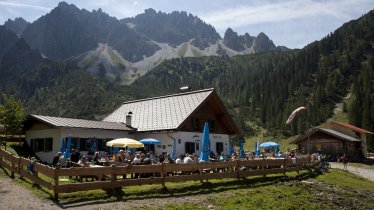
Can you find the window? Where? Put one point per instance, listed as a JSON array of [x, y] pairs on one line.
[[42, 144], [212, 126], [48, 144], [196, 123], [190, 147], [101, 144], [219, 147]]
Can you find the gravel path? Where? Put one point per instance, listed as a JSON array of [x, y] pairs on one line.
[[364, 172], [15, 196]]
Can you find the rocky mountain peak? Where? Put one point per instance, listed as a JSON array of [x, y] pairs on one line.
[[17, 25]]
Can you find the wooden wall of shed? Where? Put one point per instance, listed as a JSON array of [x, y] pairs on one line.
[[326, 144], [350, 132]]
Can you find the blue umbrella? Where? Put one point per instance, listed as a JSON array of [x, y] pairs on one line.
[[269, 145], [204, 154], [68, 145], [110, 150], [93, 146], [150, 141], [257, 148], [174, 152], [78, 144], [241, 150], [62, 145], [231, 149]]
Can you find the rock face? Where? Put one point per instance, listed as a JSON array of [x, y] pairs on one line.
[[135, 45], [17, 25]]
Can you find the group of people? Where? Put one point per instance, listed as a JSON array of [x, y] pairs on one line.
[[137, 158], [60, 160]]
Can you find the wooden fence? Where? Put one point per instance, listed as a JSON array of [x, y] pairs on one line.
[[111, 177]]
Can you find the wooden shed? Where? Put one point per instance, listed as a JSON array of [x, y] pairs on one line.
[[335, 139]]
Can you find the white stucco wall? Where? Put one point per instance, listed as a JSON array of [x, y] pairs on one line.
[[58, 133], [167, 141]]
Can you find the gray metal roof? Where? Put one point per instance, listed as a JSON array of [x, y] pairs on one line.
[[340, 135], [160, 113], [79, 123]]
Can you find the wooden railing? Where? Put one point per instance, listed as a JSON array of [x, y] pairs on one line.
[[111, 177]]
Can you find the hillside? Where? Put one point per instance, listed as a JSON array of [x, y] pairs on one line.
[[264, 88], [258, 89]]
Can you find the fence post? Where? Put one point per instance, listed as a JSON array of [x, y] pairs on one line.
[[162, 175], [55, 176], [113, 175], [19, 166], [263, 167], [237, 169], [284, 166]]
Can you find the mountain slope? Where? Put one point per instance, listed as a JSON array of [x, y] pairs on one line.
[[266, 87], [142, 42], [67, 31]]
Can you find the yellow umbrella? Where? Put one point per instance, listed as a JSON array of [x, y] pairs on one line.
[[125, 142]]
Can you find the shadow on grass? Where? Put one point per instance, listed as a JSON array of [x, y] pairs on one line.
[[196, 188]]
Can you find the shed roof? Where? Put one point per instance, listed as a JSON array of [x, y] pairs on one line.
[[360, 130], [79, 123], [165, 112], [331, 132]]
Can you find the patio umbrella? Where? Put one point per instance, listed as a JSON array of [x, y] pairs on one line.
[[150, 141], [269, 145], [68, 145], [125, 142], [231, 149], [77, 147], [204, 154], [174, 152], [62, 145], [257, 148], [241, 150], [93, 146]]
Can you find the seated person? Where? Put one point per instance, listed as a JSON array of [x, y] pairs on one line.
[[56, 158], [63, 161], [96, 158], [83, 162], [74, 156], [188, 159], [136, 160]]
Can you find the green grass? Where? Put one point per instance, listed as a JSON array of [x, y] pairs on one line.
[[263, 135], [342, 178], [272, 192]]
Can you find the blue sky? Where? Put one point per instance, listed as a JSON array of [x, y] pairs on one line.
[[293, 23]]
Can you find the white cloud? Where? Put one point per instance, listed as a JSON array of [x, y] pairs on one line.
[[281, 11], [21, 5]]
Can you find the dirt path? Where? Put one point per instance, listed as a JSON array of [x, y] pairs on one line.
[[15, 196], [364, 172]]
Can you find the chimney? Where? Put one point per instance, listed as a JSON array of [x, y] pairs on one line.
[[128, 119]]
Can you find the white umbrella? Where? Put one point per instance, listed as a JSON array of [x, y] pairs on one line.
[[125, 142]]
